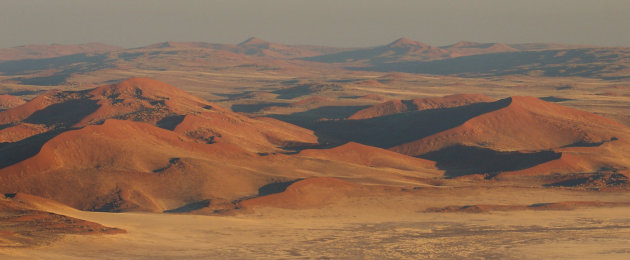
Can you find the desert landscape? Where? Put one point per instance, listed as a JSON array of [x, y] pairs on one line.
[[265, 150]]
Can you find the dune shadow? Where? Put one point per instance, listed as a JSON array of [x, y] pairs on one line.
[[61, 117], [64, 114], [190, 207], [275, 187], [555, 99], [590, 144], [386, 131], [326, 113], [11, 153], [170, 122], [462, 160], [252, 108]]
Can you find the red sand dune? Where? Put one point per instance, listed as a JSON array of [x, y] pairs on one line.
[[125, 165], [450, 101], [369, 156], [138, 99], [174, 149], [567, 163], [133, 166], [119, 142], [526, 123], [21, 131], [25, 222], [21, 112], [599, 159], [8, 101], [399, 106], [154, 102], [308, 193], [387, 108], [256, 135], [138, 94]]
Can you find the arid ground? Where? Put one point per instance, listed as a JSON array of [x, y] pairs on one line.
[[365, 228]]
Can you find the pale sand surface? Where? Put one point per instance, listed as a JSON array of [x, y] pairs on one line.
[[354, 229]]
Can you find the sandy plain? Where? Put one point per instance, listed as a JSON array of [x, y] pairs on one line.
[[365, 228]]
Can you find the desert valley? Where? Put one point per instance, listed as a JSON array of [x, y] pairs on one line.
[[195, 150]]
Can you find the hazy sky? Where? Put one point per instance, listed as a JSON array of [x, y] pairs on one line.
[[133, 23]]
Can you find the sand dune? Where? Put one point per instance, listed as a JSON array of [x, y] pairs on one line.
[[262, 135], [147, 146], [308, 193], [8, 101], [526, 123], [400, 106], [26, 221], [369, 156]]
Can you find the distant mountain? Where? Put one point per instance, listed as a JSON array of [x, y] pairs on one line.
[[259, 47], [253, 46], [590, 62], [464, 48], [549, 46], [398, 50], [35, 51], [473, 59], [467, 59], [404, 49]]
